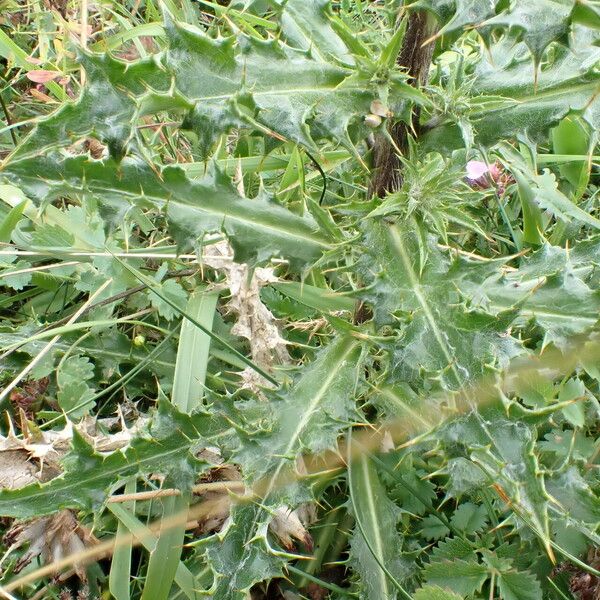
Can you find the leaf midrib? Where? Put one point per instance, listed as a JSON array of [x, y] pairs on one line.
[[535, 97], [80, 483], [315, 239], [309, 413], [374, 525]]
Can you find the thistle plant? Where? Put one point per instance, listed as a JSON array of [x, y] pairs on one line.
[[299, 299]]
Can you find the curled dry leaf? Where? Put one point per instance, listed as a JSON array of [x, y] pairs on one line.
[[95, 148], [51, 538], [582, 584], [16, 470], [255, 322], [41, 75], [29, 396], [37, 453], [287, 526], [216, 503]]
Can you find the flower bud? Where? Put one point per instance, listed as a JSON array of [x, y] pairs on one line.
[[373, 121]]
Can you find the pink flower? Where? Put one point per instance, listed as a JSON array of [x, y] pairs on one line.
[[479, 175]]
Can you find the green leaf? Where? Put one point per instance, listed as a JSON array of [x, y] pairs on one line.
[[545, 193], [567, 84], [12, 278], [308, 417], [574, 390], [574, 495], [538, 23], [239, 555], [375, 542], [306, 25], [519, 586], [460, 576], [464, 477], [120, 566], [452, 548], [193, 352], [470, 517], [175, 293], [313, 98], [164, 556], [183, 577], [163, 446], [12, 218], [506, 453], [532, 215], [411, 280], [433, 529], [457, 14], [74, 395], [571, 137], [564, 443], [552, 287], [506, 100], [74, 370], [408, 501], [258, 228], [433, 592], [315, 297], [188, 390], [76, 399]]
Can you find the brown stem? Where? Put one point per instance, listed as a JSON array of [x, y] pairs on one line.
[[201, 488], [9, 121], [415, 59]]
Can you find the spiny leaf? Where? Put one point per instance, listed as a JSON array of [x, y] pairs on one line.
[[414, 281], [574, 495], [506, 454], [455, 15], [538, 23], [258, 228], [239, 555], [306, 25], [308, 417], [550, 287], [375, 541], [88, 475], [568, 83]]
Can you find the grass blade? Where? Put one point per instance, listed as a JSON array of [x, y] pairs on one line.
[[188, 389]]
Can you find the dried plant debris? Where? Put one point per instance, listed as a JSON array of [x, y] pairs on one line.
[[254, 321], [288, 525], [582, 584], [49, 538], [29, 396], [17, 470]]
